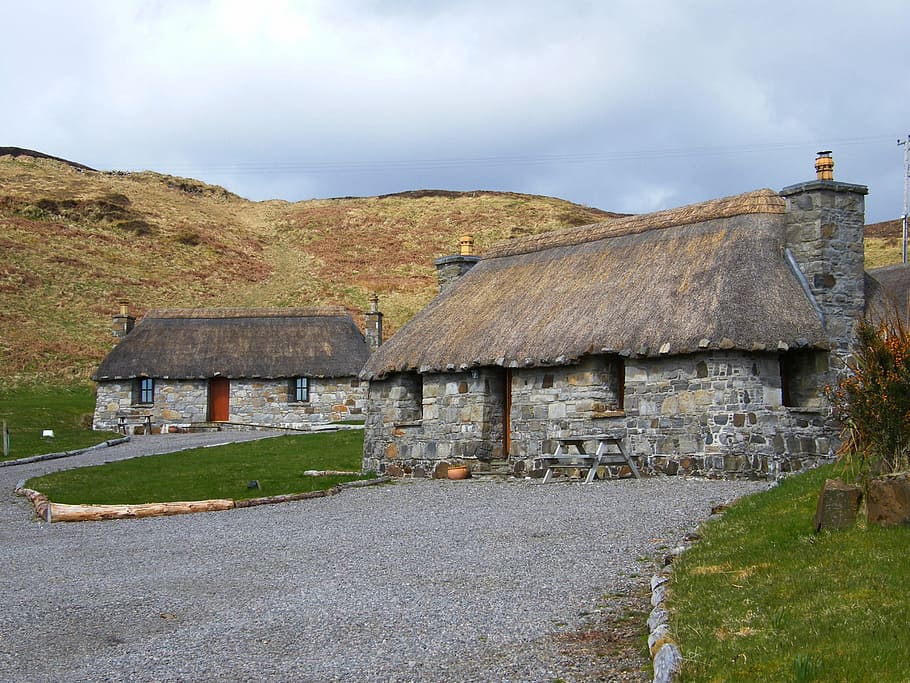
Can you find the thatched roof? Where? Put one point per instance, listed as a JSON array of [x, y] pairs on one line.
[[888, 291], [263, 343], [706, 276]]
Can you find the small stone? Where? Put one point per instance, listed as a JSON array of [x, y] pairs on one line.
[[658, 594], [657, 617], [658, 580], [658, 638], [667, 664]]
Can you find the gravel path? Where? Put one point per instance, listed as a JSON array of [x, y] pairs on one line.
[[416, 581]]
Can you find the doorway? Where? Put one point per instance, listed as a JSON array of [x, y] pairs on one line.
[[506, 412], [219, 399]]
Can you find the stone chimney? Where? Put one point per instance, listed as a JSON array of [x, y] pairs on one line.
[[122, 322], [824, 225], [450, 268], [373, 323]]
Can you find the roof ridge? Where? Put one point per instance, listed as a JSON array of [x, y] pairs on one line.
[[252, 312], [757, 201]]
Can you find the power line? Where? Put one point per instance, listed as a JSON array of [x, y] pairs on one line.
[[355, 166]]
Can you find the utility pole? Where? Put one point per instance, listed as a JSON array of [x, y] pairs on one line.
[[906, 143]]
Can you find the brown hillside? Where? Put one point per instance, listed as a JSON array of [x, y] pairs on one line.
[[73, 241]]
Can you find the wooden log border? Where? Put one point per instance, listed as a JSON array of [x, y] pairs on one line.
[[63, 454], [62, 512]]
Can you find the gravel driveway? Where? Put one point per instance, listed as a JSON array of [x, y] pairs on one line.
[[415, 581]]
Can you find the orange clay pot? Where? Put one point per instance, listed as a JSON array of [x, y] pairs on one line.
[[458, 472]]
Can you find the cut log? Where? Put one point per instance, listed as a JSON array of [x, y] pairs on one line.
[[328, 473], [61, 512], [837, 506]]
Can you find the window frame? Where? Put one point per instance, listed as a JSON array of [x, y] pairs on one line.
[[300, 389], [143, 388]]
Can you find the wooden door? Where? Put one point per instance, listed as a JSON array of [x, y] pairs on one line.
[[219, 399], [506, 413]]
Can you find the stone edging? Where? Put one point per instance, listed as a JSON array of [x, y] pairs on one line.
[[64, 454], [665, 654], [666, 658], [60, 512]]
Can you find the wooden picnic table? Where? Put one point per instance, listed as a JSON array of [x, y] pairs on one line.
[[562, 459], [124, 420]]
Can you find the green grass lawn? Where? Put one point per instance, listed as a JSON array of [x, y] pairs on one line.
[[763, 598], [66, 410], [276, 463]]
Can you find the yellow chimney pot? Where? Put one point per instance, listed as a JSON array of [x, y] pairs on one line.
[[824, 165], [467, 245]]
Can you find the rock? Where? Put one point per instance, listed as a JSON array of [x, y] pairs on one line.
[[837, 505], [667, 664], [658, 579], [657, 617], [888, 501], [658, 594], [658, 638]]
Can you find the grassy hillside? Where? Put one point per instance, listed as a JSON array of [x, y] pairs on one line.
[[883, 243], [74, 240]]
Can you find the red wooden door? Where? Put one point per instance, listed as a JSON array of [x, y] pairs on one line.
[[219, 399]]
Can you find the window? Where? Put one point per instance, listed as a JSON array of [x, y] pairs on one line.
[[144, 391], [802, 378], [300, 390], [407, 397]]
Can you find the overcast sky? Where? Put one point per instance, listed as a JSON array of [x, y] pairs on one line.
[[627, 106]]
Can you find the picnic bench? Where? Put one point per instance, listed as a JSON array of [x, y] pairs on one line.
[[562, 459], [125, 420]]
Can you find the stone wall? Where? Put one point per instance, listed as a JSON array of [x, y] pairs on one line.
[[417, 421], [720, 414], [710, 414], [252, 402]]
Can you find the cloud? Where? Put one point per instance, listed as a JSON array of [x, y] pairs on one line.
[[625, 105]]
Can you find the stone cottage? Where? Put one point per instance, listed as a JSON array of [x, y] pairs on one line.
[[252, 367], [703, 335]]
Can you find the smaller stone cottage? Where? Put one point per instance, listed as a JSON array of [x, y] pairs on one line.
[[250, 367]]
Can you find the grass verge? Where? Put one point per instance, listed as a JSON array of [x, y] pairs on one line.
[[278, 464], [762, 597], [67, 410]]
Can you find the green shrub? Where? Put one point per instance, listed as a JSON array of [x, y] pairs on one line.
[[872, 402]]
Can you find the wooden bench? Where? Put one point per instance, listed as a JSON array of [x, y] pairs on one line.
[[564, 460]]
